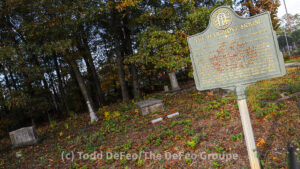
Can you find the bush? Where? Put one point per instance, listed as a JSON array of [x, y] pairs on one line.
[[286, 56], [3, 124], [298, 51]]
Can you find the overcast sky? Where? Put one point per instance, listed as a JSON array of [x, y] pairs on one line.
[[293, 7]]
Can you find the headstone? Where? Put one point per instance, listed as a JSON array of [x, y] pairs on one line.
[[174, 82], [23, 136], [148, 106], [232, 53], [166, 88]]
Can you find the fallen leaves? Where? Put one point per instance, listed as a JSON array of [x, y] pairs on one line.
[[261, 142], [210, 93], [137, 130]]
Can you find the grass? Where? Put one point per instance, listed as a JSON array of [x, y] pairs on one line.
[[293, 60], [208, 123]]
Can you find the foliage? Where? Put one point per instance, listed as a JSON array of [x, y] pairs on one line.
[[291, 22], [296, 35], [163, 41], [192, 143], [167, 51], [238, 137], [282, 41], [254, 7], [224, 114]]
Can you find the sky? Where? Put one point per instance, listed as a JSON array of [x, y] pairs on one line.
[[293, 7]]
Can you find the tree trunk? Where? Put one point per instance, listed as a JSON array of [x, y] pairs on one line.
[[94, 78], [50, 96], [91, 82], [135, 83], [60, 85], [86, 53], [117, 34], [121, 73], [173, 80], [55, 98], [97, 80], [12, 78], [84, 91], [43, 79], [129, 51]]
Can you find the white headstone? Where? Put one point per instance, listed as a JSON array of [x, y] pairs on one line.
[[166, 88]]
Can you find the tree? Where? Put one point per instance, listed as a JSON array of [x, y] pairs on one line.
[[84, 48], [296, 35], [282, 41], [166, 25], [61, 57], [254, 7], [37, 32], [290, 22], [117, 21], [163, 49], [84, 91]]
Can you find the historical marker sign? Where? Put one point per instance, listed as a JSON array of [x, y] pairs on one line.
[[232, 53], [235, 51]]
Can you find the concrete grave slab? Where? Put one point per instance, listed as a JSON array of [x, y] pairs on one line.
[[148, 106], [24, 136]]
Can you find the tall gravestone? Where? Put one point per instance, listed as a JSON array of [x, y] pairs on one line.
[[232, 53]]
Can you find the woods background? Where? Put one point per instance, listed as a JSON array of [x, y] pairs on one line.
[[59, 58]]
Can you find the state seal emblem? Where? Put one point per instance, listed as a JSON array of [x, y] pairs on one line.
[[222, 18]]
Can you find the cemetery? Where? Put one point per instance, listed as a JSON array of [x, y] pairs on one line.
[[162, 84]]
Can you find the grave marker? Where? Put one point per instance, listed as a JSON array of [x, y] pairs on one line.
[[148, 106], [232, 53], [24, 136]]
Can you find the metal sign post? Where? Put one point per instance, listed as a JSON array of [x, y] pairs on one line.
[[247, 127]]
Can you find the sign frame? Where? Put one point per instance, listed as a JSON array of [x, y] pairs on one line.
[[232, 85]]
